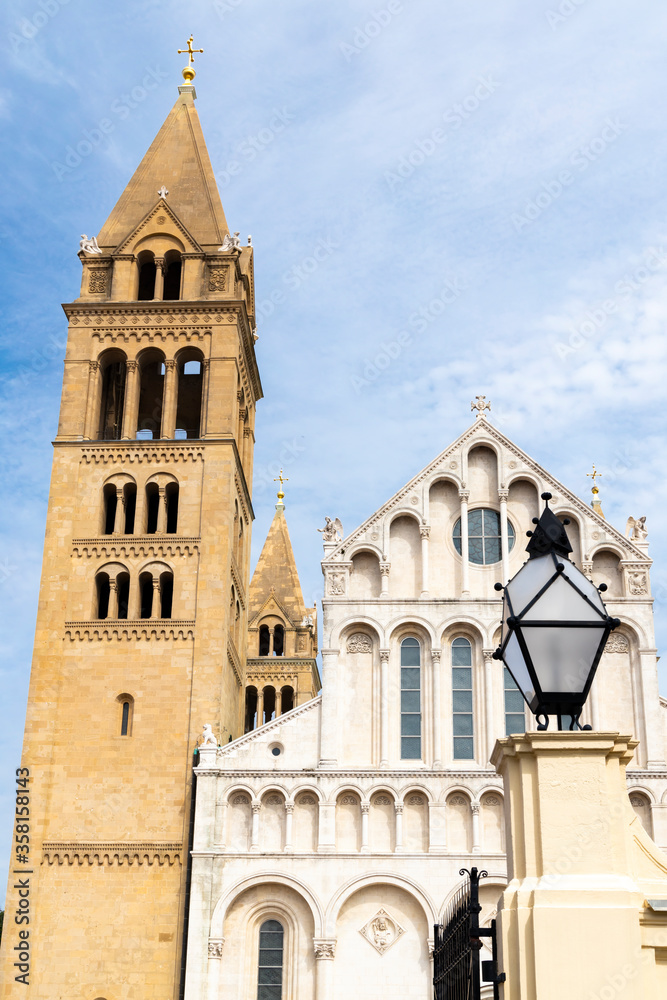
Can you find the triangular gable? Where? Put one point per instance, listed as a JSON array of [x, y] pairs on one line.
[[262, 732], [270, 603], [483, 430], [149, 226]]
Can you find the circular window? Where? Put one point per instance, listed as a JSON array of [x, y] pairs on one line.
[[276, 749], [483, 536]]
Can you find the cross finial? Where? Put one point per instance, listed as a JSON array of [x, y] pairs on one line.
[[480, 405], [281, 479], [188, 72], [594, 475]]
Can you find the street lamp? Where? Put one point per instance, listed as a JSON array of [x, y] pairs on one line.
[[555, 626]]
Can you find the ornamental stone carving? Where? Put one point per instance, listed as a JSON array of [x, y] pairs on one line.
[[217, 279], [425, 530], [97, 280], [637, 583], [349, 800], [359, 643], [324, 949], [382, 931], [416, 800], [215, 948], [336, 584], [617, 643], [383, 800]]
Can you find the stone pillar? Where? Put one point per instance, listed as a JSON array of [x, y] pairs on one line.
[[398, 847], [220, 835], [161, 511], [326, 831], [159, 279], [384, 575], [204, 832], [289, 815], [384, 708], [131, 407], [573, 857], [437, 708], [169, 400], [260, 707], [464, 496], [215, 946], [474, 808], [279, 702], [156, 609], [504, 540], [365, 808], [424, 531], [92, 420], [112, 610], [329, 717], [490, 708], [325, 952], [119, 519], [254, 837]]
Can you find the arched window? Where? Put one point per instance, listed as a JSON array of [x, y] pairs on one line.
[[146, 594], [171, 494], [462, 700], [151, 388], [172, 275], [152, 507], [126, 703], [264, 640], [146, 263], [278, 640], [411, 720], [286, 699], [123, 591], [188, 409], [166, 594], [270, 972], [110, 505], [250, 708], [130, 497], [103, 592], [113, 398], [269, 704]]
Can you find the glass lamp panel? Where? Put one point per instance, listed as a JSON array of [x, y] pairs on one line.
[[561, 603], [584, 584], [530, 579], [513, 658], [562, 657]]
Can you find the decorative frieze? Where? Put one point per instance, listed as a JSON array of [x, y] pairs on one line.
[[129, 630], [143, 545], [60, 853], [137, 454]]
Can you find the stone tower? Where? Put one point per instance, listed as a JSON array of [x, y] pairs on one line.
[[282, 632], [142, 622]]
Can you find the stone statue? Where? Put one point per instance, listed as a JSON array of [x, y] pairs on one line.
[[231, 243], [89, 245], [636, 530], [208, 739], [381, 932], [332, 530], [307, 620]]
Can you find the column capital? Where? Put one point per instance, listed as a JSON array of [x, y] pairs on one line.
[[215, 946], [132, 366], [170, 365], [365, 807], [488, 655], [255, 806], [435, 655], [424, 530], [324, 949], [385, 567], [384, 655], [503, 495], [93, 367], [289, 807], [464, 496], [474, 808], [398, 807]]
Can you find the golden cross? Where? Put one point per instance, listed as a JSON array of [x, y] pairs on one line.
[[594, 475], [281, 480], [190, 51]]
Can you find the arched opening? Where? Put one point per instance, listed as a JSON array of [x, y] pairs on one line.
[[166, 594], [147, 270], [365, 578], [123, 591], [113, 397], [250, 708], [110, 506], [172, 275], [152, 507], [130, 497], [126, 704], [411, 720], [151, 389], [269, 704], [103, 590], [642, 808], [264, 640], [171, 494], [188, 409], [348, 822], [270, 963], [286, 699], [146, 595], [278, 640], [462, 699]]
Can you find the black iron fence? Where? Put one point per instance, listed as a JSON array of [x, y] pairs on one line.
[[457, 946]]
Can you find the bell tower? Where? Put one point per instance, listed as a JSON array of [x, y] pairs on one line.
[[142, 623]]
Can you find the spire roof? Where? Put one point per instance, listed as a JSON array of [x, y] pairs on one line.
[[276, 572], [178, 160]]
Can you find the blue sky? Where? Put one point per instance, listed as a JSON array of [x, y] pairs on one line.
[[485, 184]]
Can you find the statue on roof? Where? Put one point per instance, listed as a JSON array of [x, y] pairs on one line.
[[231, 243], [89, 244], [636, 530], [332, 530], [208, 738]]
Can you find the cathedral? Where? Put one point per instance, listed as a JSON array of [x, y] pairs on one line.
[[305, 846]]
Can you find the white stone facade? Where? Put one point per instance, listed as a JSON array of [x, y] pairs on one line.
[[347, 820]]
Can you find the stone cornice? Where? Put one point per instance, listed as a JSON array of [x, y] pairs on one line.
[[125, 629], [382, 774], [238, 581], [267, 728], [62, 853], [139, 545], [234, 661]]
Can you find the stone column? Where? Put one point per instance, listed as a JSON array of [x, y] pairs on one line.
[[215, 947], [220, 835], [329, 715], [385, 567], [579, 867], [365, 808], [398, 847], [260, 707], [437, 708], [384, 708], [425, 531], [279, 702], [206, 378], [504, 540], [131, 406], [254, 837], [169, 400], [119, 519], [156, 610], [474, 808], [464, 496], [91, 430], [490, 709], [325, 952], [289, 815], [161, 511], [271, 641], [159, 279], [112, 610]]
